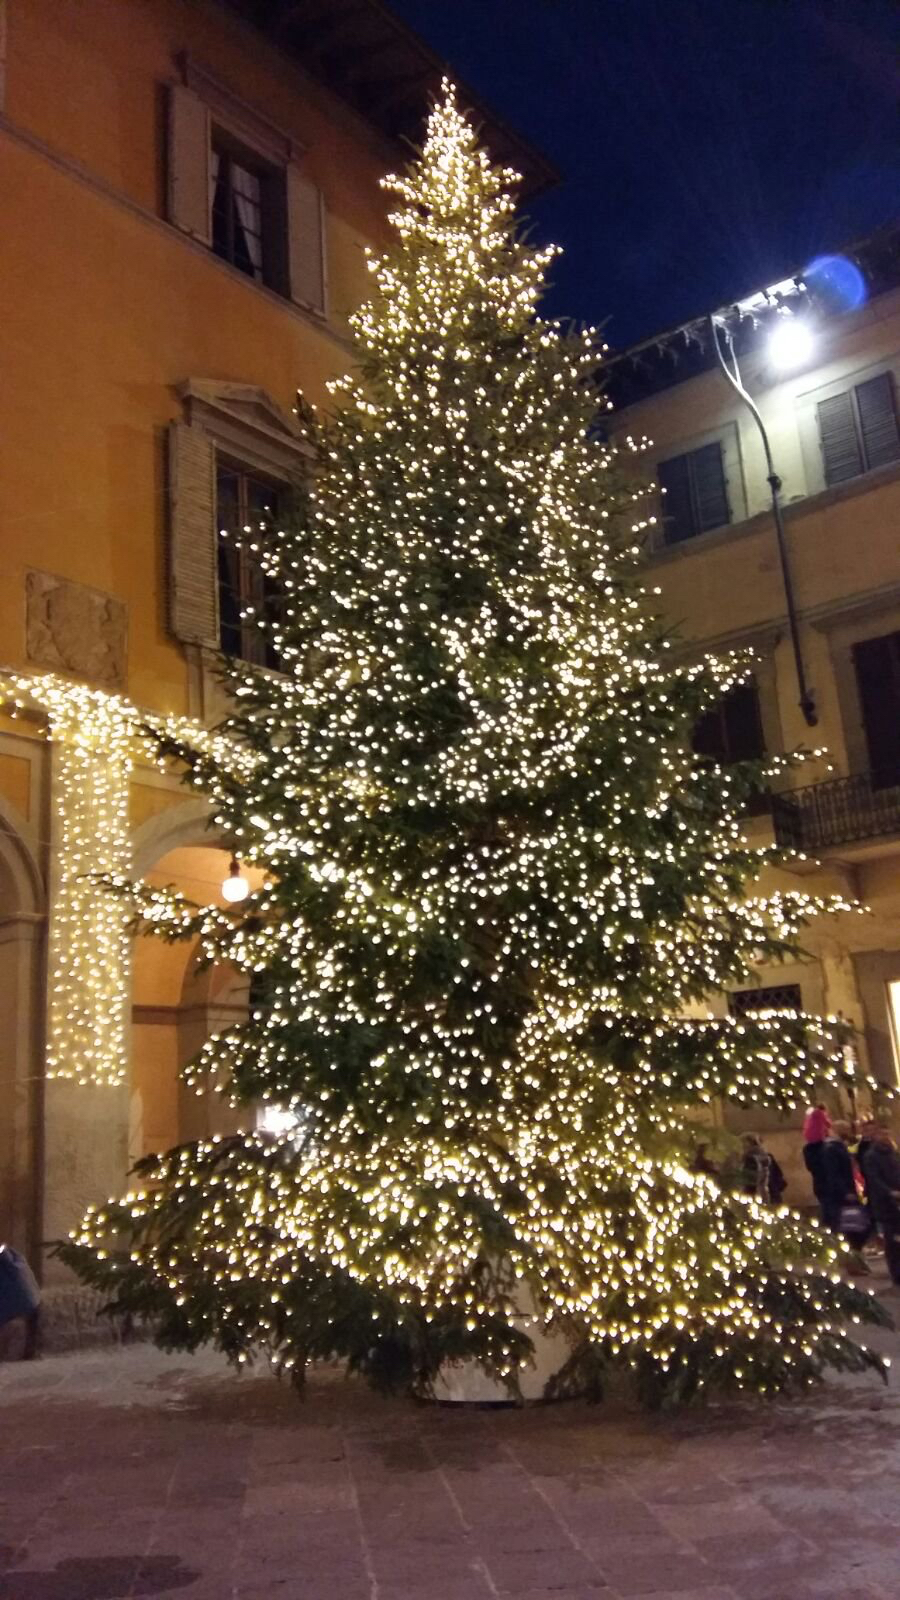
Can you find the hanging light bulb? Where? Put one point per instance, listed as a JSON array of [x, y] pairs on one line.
[[235, 887]]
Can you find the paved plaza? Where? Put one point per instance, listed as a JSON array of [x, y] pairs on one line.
[[126, 1472]]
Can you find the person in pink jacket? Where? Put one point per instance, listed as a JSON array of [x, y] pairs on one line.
[[816, 1125]]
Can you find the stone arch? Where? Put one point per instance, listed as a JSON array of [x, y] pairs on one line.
[[22, 958], [187, 823]]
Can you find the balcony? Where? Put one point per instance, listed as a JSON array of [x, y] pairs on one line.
[[840, 811]]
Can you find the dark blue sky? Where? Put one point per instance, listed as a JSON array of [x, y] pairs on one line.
[[706, 146]]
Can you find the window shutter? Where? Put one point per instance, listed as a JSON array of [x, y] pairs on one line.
[[677, 506], [193, 569], [306, 240], [710, 497], [189, 198], [840, 445], [878, 420]]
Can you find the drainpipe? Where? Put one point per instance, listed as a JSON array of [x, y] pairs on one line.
[[732, 373]]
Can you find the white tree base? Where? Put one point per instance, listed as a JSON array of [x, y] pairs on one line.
[[465, 1382]]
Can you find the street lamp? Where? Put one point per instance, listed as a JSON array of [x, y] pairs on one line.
[[235, 887], [784, 349], [790, 343]]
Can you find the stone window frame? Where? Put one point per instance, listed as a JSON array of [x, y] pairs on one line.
[[851, 625], [764, 641], [201, 105], [728, 435], [242, 424], [806, 404]]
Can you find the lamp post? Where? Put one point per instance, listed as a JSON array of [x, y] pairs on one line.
[[792, 346]]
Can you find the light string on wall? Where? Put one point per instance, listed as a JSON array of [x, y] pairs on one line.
[[96, 738]]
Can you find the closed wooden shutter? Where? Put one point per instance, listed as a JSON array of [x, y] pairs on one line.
[[306, 240], [877, 663], [696, 497], [710, 497], [189, 199], [193, 569], [878, 420], [840, 445], [677, 504]]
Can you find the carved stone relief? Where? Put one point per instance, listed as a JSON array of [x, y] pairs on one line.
[[71, 628]]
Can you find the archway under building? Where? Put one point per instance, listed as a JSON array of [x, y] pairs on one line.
[[177, 1003]]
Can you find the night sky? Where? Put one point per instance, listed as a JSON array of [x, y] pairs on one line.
[[706, 146]]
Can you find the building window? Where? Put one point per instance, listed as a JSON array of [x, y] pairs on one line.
[[877, 664], [247, 514], [732, 730], [234, 185], [858, 429], [696, 497], [777, 997], [247, 212]]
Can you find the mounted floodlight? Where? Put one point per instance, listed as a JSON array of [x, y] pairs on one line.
[[791, 342]]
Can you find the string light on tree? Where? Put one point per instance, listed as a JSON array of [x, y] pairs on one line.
[[496, 878]]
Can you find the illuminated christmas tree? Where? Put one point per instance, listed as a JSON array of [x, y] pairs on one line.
[[499, 889]]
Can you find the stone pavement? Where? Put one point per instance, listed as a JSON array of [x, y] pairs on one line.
[[125, 1472]]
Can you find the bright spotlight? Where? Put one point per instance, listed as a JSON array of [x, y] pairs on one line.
[[790, 343]]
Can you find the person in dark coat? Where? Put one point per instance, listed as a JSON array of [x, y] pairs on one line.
[[837, 1177], [816, 1129], [756, 1167], [881, 1170]]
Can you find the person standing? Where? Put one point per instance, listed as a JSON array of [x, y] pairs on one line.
[[865, 1141], [816, 1128], [881, 1170], [837, 1176], [756, 1167]]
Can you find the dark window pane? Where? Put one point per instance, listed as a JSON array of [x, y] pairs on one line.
[[677, 504], [878, 420], [229, 598], [228, 500], [696, 498], [248, 211], [247, 516], [743, 726], [877, 663], [840, 446], [732, 730]]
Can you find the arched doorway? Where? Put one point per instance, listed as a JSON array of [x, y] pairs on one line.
[[176, 1005]]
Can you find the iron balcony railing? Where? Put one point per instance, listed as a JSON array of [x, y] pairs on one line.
[[865, 806]]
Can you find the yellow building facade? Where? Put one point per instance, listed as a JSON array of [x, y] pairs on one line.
[[832, 424], [189, 194]]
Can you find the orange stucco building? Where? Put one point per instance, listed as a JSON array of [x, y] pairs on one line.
[[190, 186]]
